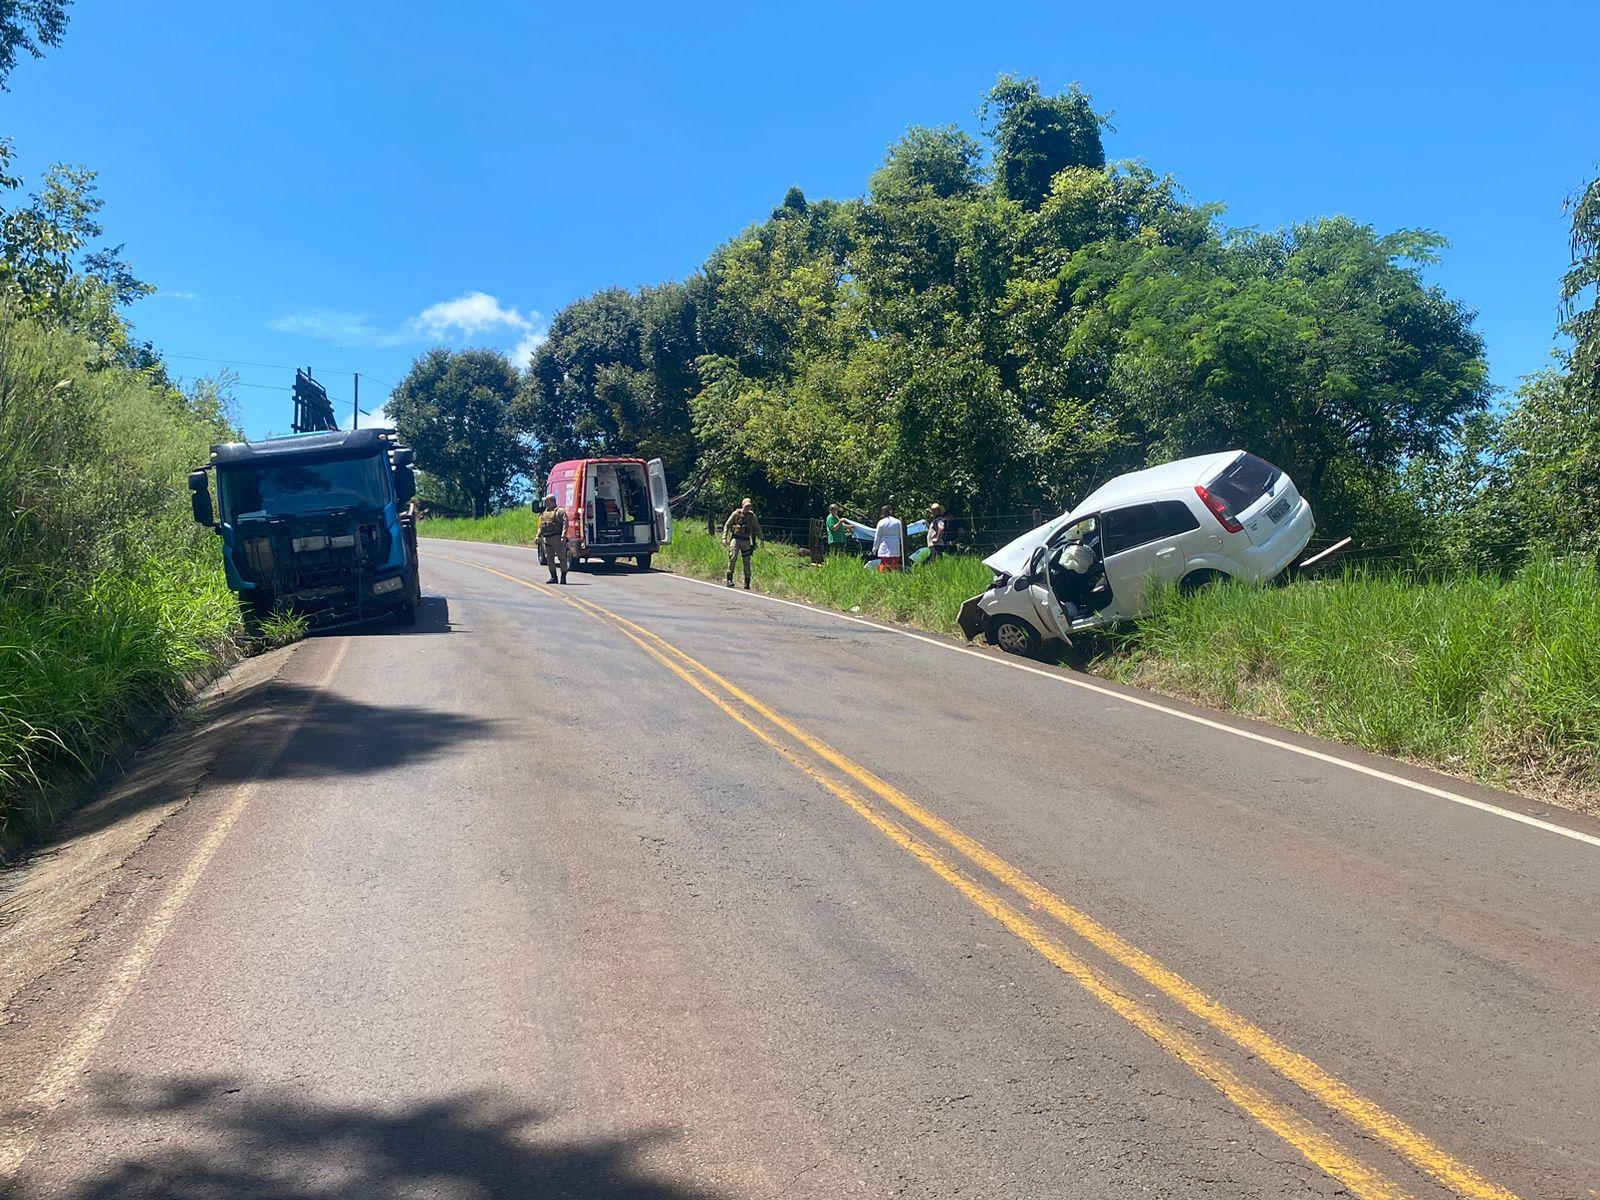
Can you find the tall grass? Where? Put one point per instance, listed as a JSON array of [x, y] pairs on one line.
[[1496, 678], [514, 527], [110, 599]]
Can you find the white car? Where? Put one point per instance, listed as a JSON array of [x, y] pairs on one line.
[[1190, 522]]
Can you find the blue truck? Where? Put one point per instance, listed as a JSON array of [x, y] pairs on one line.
[[318, 524]]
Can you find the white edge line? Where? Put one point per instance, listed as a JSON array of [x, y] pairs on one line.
[[1194, 718]]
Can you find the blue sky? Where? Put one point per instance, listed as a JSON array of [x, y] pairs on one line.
[[342, 184]]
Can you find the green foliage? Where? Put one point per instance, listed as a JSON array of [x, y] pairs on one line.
[[1037, 136], [457, 409], [110, 597], [50, 268], [1527, 480], [1582, 324], [1006, 329], [1483, 675], [615, 374], [28, 26]]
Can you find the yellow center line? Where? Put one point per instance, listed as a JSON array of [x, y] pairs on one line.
[[1327, 1089]]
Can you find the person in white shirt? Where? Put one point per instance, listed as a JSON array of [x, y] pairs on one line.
[[888, 540]]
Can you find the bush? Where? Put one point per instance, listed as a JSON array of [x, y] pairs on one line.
[[110, 597]]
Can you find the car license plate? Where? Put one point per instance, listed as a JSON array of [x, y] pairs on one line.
[[1278, 511]]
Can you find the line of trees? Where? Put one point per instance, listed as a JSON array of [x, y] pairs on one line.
[[1001, 324]]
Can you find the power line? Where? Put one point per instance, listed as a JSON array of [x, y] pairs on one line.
[[231, 362]]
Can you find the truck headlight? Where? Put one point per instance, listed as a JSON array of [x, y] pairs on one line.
[[258, 555], [387, 585]]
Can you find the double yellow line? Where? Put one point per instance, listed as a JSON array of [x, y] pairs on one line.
[[854, 784]]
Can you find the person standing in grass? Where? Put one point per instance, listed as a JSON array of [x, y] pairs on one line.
[[938, 532], [740, 533], [888, 540], [838, 531]]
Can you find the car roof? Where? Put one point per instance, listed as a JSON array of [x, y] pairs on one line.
[[331, 442], [1173, 476]]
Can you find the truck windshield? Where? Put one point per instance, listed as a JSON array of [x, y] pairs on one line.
[[300, 487]]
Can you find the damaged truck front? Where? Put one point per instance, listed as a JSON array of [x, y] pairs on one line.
[[317, 524]]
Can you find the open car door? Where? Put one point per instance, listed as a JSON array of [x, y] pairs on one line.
[[659, 500]]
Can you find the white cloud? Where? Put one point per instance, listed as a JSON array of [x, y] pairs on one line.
[[531, 341], [166, 294], [379, 419], [472, 313], [339, 326], [467, 316]]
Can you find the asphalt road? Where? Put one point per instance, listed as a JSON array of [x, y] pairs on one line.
[[642, 888]]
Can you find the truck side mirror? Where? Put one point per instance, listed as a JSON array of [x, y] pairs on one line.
[[403, 456], [405, 484], [200, 499]]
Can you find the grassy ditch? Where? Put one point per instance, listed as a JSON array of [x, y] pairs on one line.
[[1491, 678]]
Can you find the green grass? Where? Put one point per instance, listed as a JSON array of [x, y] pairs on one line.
[[514, 527], [1497, 679], [77, 666], [927, 596]]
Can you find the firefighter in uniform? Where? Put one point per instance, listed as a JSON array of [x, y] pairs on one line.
[[740, 533], [553, 538]]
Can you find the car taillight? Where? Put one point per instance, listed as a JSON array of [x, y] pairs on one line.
[[1219, 510]]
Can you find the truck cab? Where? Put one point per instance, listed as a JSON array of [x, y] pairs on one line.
[[616, 507], [318, 524]]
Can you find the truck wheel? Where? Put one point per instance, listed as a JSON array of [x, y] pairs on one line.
[[644, 561], [406, 614], [1014, 636]]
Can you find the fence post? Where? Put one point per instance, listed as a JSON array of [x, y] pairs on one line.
[[711, 522], [816, 533], [1038, 518]]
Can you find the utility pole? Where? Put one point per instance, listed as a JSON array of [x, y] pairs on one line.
[[355, 405]]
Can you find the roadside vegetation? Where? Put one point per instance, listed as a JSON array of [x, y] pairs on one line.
[[1491, 676], [110, 597], [927, 597], [111, 604]]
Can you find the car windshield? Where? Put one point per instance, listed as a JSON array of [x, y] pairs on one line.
[[303, 486]]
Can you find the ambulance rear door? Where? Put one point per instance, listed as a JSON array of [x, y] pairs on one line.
[[659, 500]]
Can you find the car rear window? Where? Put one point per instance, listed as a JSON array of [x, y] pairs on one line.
[[1137, 524], [1244, 481]]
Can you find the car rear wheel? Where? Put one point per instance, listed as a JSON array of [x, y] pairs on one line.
[[1014, 636], [1196, 581]]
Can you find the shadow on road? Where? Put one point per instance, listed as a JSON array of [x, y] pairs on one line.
[[226, 740], [433, 616], [332, 735], [211, 1138]]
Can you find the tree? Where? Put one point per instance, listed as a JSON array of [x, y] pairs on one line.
[[1582, 324], [50, 268], [28, 25], [1036, 136], [928, 163], [457, 410]]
